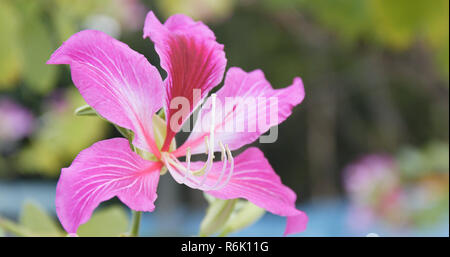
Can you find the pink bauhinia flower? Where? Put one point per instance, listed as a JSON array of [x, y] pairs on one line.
[[124, 88]]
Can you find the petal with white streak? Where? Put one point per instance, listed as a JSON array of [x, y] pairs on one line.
[[194, 61], [119, 83], [248, 108], [106, 169]]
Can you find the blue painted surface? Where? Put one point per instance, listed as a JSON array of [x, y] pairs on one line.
[[326, 217]]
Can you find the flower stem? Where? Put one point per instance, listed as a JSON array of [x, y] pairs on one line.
[[135, 223]]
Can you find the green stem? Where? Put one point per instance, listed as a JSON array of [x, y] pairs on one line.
[[135, 223], [224, 233]]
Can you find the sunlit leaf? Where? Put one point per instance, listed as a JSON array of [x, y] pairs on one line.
[[244, 215], [205, 10], [14, 228], [110, 221], [216, 216], [65, 22], [10, 49], [349, 18], [37, 47], [395, 25], [35, 219]]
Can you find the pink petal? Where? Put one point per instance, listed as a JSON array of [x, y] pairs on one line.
[[296, 224], [119, 83], [246, 86], [106, 169], [255, 180], [192, 58]]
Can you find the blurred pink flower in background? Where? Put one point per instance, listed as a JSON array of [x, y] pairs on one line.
[[16, 122], [363, 177], [380, 189], [366, 181], [133, 14]]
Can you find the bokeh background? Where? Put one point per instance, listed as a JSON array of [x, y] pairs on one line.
[[366, 152]]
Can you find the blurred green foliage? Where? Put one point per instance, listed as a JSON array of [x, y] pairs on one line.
[[416, 163], [32, 30], [375, 75], [425, 173], [204, 10], [109, 221], [35, 221], [61, 136], [393, 24], [10, 55], [224, 217], [36, 44]]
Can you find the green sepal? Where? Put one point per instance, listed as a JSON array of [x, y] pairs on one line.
[[125, 132], [244, 215], [85, 110], [160, 131], [216, 216], [162, 114], [228, 216]]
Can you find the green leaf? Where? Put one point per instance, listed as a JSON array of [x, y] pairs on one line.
[[110, 221], [33, 221], [37, 47], [60, 137], [14, 228], [205, 10], [245, 214], [10, 51], [85, 110], [36, 220], [65, 22], [216, 216]]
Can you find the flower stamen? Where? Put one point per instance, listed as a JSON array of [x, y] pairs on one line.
[[200, 176]]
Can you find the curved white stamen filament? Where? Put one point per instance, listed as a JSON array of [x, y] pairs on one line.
[[209, 144], [210, 159], [224, 166], [230, 173], [200, 176], [195, 180], [188, 161], [206, 145]]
